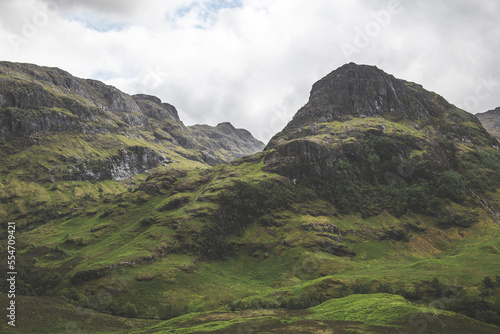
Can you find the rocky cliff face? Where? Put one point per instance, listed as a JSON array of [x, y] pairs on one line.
[[364, 118], [96, 132], [491, 121]]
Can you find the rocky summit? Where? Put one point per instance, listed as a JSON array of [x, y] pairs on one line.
[[363, 91]]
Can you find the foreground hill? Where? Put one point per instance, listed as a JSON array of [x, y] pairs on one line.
[[491, 121], [353, 314], [375, 210]]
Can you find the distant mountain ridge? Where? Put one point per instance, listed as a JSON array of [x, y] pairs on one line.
[[491, 121], [100, 132]]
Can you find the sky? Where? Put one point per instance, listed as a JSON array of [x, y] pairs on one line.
[[253, 62]]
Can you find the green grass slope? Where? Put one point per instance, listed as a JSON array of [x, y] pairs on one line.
[[236, 238]]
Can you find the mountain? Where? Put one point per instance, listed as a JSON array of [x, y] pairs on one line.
[[79, 129], [491, 121], [378, 123], [55, 127], [375, 210]]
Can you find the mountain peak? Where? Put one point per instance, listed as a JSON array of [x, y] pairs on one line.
[[72, 118], [155, 108], [354, 104], [225, 127], [364, 91]]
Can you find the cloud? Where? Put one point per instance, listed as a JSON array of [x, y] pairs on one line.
[[252, 62]]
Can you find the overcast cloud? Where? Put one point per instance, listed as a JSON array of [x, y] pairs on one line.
[[252, 62]]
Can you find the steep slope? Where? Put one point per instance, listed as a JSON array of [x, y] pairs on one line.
[[363, 91], [491, 121], [63, 139], [350, 209]]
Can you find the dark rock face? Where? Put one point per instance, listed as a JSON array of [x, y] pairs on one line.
[[37, 99], [175, 203], [135, 133], [127, 163], [21, 123], [366, 91], [377, 124], [28, 86]]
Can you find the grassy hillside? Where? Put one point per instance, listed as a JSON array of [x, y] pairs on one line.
[[67, 142], [234, 239], [373, 313]]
